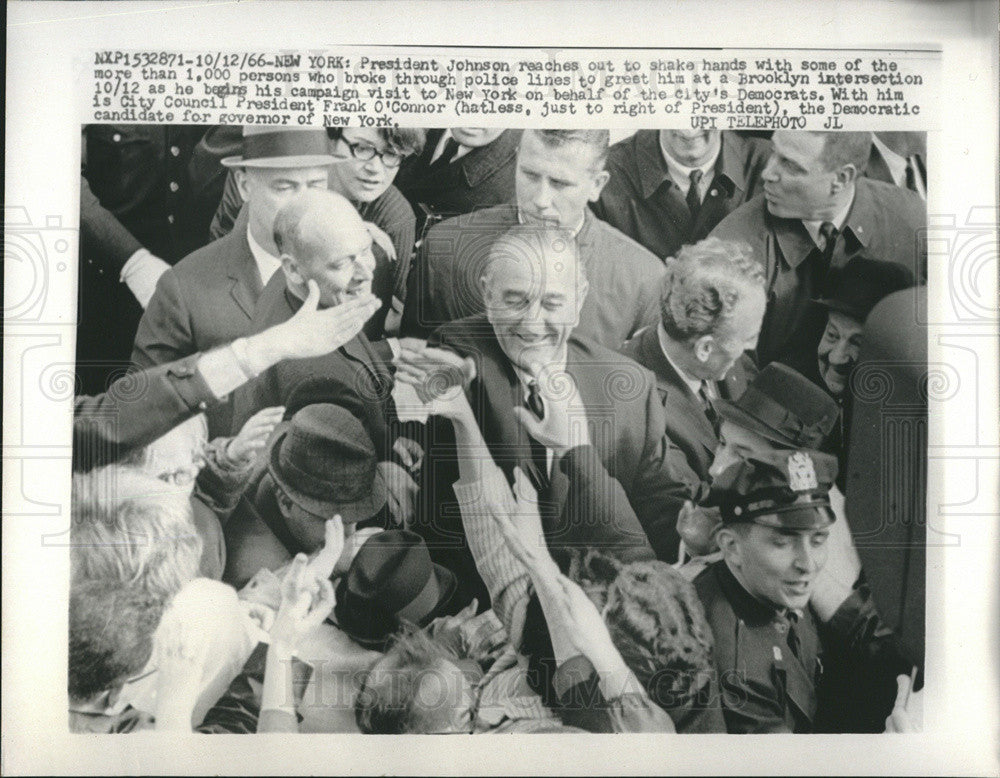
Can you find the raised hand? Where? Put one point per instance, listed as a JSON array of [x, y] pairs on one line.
[[321, 566], [305, 602], [434, 373], [383, 240], [908, 712], [311, 332], [564, 425], [255, 434]]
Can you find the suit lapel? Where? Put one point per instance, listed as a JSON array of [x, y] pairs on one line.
[[241, 267], [678, 393]]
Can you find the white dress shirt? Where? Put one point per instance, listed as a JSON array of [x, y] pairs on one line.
[[267, 263]]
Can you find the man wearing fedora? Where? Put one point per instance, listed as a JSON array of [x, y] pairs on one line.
[[860, 287], [320, 464], [775, 655], [208, 298], [710, 313]]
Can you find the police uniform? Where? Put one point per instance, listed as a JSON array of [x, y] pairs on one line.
[[774, 663]]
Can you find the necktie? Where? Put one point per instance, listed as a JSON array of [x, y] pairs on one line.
[[708, 407], [794, 644], [539, 456], [447, 154], [830, 234], [535, 403], [693, 195]]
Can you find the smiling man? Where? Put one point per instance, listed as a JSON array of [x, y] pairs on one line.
[[817, 212], [672, 187], [524, 345], [558, 173], [773, 652]]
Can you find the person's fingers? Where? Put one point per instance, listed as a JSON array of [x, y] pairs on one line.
[[312, 298], [902, 690], [527, 420]]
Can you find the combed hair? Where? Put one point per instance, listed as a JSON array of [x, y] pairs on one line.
[[111, 629], [846, 148], [597, 140], [528, 242], [657, 623], [132, 529], [385, 705], [703, 284], [404, 140]]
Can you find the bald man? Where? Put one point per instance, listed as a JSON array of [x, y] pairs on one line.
[[534, 287], [321, 237]]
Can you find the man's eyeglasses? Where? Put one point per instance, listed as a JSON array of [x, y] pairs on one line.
[[365, 152]]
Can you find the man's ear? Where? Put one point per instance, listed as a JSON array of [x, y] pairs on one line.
[[600, 180], [242, 183], [728, 539], [703, 348], [843, 178], [290, 267]]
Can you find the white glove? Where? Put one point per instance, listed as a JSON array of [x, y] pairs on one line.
[[140, 274]]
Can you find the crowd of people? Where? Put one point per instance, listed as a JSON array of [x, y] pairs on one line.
[[478, 430]]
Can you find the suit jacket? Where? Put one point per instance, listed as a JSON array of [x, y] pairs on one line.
[[356, 376], [687, 425], [627, 433], [624, 278], [884, 222], [478, 179], [135, 411], [205, 300], [642, 200]]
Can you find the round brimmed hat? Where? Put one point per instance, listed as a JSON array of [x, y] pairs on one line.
[[266, 147], [783, 406], [391, 582], [862, 284], [324, 460], [782, 489]]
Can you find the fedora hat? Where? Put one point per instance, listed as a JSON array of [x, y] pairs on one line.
[[785, 407], [324, 460], [266, 147], [862, 284], [392, 581]]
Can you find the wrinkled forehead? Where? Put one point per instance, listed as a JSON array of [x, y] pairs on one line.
[[803, 148], [540, 265]]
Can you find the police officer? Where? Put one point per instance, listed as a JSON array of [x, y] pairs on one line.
[[770, 644]]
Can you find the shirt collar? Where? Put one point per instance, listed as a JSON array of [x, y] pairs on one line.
[[267, 263], [694, 384], [812, 226], [439, 149], [893, 161], [680, 174], [525, 378]]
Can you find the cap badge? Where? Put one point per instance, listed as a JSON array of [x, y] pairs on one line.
[[801, 472]]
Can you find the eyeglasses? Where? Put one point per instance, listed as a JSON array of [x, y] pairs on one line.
[[365, 152]]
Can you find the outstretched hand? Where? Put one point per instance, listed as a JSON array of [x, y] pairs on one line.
[[564, 424], [255, 433], [908, 712], [436, 374], [305, 602]]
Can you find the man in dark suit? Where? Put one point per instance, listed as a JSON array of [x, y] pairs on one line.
[[460, 170], [899, 158], [558, 173], [534, 289], [671, 187], [711, 310], [817, 211], [208, 298]]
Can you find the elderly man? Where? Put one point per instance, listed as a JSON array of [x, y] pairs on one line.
[[558, 173], [534, 288], [774, 654], [816, 212], [321, 238], [208, 298], [712, 306], [671, 187], [460, 170]]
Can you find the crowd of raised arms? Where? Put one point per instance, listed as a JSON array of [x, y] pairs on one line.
[[477, 430]]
